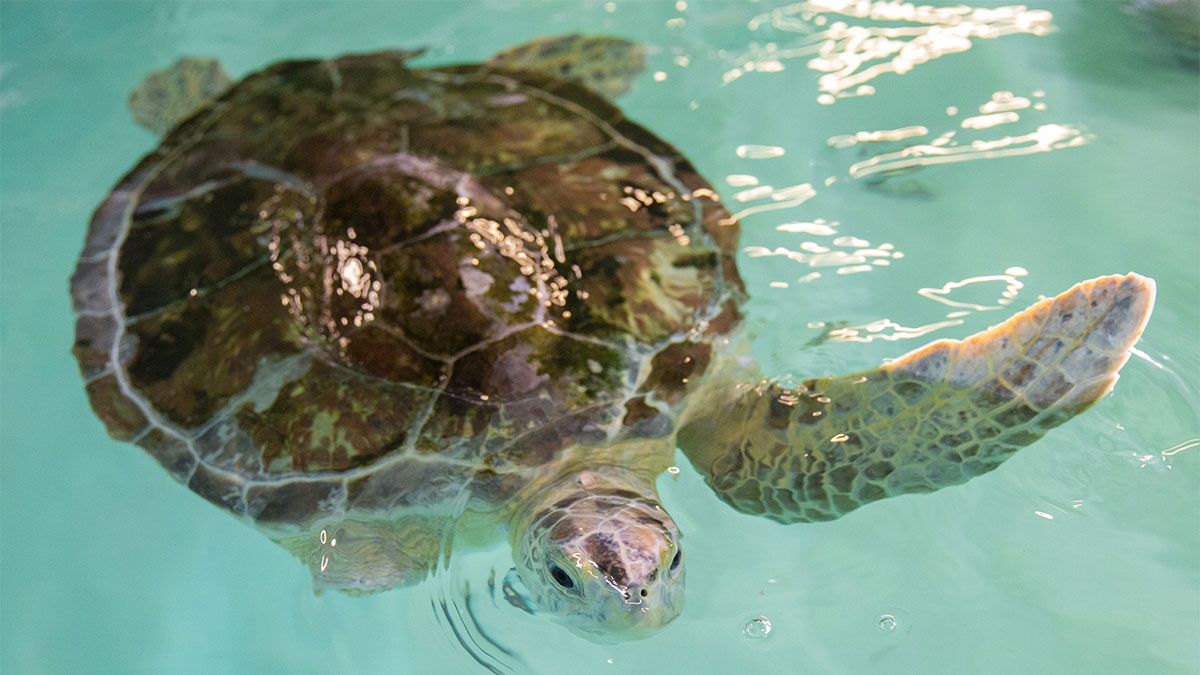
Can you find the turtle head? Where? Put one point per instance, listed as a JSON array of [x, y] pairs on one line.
[[601, 556]]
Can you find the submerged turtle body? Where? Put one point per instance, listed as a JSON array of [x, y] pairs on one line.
[[365, 306], [352, 286]]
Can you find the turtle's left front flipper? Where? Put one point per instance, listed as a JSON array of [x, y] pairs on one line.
[[933, 418], [167, 97]]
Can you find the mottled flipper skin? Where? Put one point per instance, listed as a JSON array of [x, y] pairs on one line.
[[606, 64], [933, 418], [360, 557], [167, 97]]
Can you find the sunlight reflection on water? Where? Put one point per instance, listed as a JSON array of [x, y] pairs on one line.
[[852, 55]]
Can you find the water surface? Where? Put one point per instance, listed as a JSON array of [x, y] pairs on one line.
[[1081, 554]]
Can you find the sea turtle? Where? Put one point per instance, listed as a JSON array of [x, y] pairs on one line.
[[363, 305]]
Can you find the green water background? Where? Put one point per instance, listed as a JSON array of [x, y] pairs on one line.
[[108, 566]]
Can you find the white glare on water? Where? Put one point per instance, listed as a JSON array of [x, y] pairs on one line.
[[851, 55], [951, 294]]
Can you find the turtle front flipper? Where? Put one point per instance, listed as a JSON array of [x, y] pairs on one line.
[[606, 64], [360, 557], [167, 97], [936, 417]]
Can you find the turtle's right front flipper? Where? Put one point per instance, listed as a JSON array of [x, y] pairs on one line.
[[933, 418], [367, 556]]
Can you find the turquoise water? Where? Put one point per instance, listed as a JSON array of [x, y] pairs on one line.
[[1081, 554]]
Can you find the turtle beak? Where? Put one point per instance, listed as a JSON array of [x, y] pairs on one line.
[[638, 617], [637, 608]]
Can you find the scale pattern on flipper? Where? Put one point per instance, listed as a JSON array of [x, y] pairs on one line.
[[167, 97], [605, 64], [361, 557], [935, 417]]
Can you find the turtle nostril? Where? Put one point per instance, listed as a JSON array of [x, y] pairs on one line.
[[644, 592]]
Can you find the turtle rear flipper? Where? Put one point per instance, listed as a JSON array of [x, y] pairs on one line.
[[169, 96], [933, 418], [606, 64]]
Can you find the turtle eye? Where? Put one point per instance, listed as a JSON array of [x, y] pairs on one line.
[[560, 576], [676, 561]]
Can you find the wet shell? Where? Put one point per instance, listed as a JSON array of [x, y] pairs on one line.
[[355, 285]]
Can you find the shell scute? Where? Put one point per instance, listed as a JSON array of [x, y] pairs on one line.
[[331, 419], [193, 357], [648, 288], [94, 337], [121, 416], [172, 453], [603, 195], [384, 209], [288, 504], [449, 296], [89, 287], [220, 488], [194, 244]]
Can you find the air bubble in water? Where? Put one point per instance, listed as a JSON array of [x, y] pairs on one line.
[[887, 623], [757, 628]]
